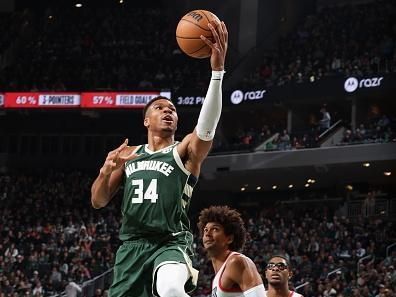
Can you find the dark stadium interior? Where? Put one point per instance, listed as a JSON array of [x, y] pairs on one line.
[[325, 196]]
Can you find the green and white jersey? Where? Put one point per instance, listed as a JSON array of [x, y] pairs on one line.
[[157, 194]]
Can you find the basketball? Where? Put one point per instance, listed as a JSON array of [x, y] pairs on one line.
[[190, 28]]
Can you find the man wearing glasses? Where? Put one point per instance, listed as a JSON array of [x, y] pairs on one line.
[[278, 272], [223, 234]]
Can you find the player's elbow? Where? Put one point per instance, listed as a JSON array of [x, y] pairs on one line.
[[206, 136], [97, 203]]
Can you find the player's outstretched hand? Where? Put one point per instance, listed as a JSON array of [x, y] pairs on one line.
[[127, 154], [219, 47], [115, 159]]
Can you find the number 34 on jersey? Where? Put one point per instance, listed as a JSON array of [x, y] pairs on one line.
[[150, 194]]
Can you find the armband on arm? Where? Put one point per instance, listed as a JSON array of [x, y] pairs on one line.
[[211, 108]]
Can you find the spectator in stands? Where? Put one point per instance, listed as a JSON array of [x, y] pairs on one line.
[[325, 122], [284, 140], [390, 259], [38, 290], [72, 289], [98, 293], [330, 291], [11, 253], [360, 251], [369, 204], [383, 122]]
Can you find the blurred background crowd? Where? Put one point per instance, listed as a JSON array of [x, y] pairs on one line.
[[51, 236]]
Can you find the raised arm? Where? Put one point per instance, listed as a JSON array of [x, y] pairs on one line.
[[110, 176], [195, 146]]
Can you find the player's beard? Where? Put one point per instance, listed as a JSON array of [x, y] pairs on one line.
[[168, 129], [166, 132]]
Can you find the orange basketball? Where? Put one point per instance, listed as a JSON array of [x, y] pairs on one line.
[[190, 28]]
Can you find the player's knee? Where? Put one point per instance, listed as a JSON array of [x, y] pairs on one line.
[[173, 290]]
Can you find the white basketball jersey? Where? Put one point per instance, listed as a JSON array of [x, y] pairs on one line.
[[292, 294], [217, 289]]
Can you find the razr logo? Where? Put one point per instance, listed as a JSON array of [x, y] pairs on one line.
[[352, 83]]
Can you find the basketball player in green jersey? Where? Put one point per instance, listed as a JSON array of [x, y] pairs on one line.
[[159, 177]]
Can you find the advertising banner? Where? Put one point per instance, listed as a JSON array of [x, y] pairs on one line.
[[330, 88]]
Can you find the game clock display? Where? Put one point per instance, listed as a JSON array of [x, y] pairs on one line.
[[190, 100]]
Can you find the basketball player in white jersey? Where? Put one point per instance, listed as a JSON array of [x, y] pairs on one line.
[[278, 272], [223, 234]]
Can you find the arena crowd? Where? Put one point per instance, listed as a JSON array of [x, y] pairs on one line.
[[51, 236]]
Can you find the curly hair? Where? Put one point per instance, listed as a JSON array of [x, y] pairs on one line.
[[231, 221]]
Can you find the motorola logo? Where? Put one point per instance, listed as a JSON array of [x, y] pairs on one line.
[[236, 97], [351, 84]]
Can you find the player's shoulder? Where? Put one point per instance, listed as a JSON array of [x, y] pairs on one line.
[[240, 261], [294, 294]]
